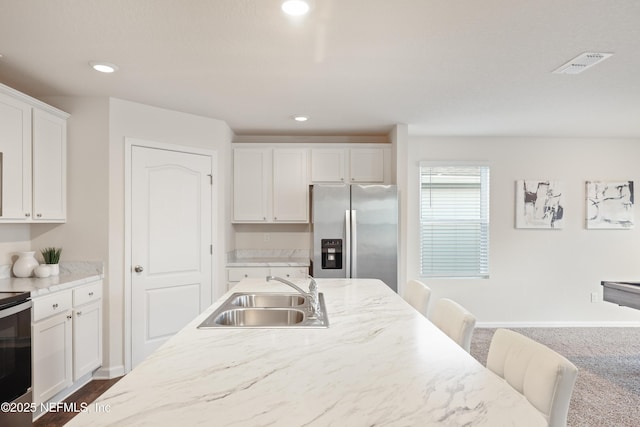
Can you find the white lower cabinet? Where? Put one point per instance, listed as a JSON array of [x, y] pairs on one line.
[[87, 339], [52, 345], [67, 339]]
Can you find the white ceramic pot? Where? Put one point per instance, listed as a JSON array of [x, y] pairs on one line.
[[54, 269], [42, 271], [25, 264]]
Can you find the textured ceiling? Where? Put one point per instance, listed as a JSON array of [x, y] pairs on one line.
[[449, 67]]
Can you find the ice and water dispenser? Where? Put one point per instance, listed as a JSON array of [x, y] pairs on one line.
[[331, 254]]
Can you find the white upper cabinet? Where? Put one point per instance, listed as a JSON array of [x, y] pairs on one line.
[[270, 185], [328, 165], [15, 160], [33, 140], [348, 165], [49, 167], [290, 185], [366, 165], [251, 175]]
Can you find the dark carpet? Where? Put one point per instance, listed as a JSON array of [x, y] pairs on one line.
[[607, 391]]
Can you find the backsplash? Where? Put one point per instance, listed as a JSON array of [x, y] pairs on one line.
[[240, 254], [5, 271], [66, 267]]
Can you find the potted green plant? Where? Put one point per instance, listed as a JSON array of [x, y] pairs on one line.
[[51, 257]]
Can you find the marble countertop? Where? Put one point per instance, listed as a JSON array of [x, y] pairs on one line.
[[71, 275], [379, 363]]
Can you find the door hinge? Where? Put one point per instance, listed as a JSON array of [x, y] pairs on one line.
[[210, 178], [211, 249]]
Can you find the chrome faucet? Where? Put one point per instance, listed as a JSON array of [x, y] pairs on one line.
[[312, 294]]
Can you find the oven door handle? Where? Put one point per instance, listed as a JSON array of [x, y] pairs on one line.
[[15, 309]]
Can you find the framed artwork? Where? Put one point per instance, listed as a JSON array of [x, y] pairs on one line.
[[610, 204], [539, 204]]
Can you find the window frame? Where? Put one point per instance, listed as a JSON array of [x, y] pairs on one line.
[[481, 258]]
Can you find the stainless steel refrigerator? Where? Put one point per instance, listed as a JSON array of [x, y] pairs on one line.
[[355, 232]]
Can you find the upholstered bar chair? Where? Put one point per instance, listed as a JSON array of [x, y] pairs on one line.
[[417, 294], [542, 376], [455, 321]]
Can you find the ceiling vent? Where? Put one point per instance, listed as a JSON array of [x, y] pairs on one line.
[[582, 62]]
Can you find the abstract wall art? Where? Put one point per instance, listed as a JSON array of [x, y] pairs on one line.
[[539, 204], [610, 204]]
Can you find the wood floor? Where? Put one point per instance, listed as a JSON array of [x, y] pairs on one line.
[[86, 394]]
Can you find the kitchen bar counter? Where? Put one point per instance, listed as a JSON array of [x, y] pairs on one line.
[[379, 363], [622, 293]]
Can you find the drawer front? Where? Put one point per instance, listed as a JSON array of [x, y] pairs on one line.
[[50, 305], [87, 294], [237, 274], [290, 272]]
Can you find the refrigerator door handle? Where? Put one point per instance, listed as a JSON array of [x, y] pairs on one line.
[[347, 249], [354, 245]]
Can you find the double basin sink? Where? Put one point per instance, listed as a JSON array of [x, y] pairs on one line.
[[267, 310]]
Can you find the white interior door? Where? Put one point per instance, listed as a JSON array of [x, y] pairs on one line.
[[171, 258]]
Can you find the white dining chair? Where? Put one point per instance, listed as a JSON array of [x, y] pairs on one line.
[[542, 376], [455, 321], [418, 295]]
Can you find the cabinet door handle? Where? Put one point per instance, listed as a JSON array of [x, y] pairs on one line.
[[138, 269], [39, 215], [90, 294], [79, 313], [27, 214], [55, 306], [69, 317]]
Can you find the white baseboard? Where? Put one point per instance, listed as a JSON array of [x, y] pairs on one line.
[[107, 373], [603, 324]]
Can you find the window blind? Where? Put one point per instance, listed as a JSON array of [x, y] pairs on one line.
[[454, 221]]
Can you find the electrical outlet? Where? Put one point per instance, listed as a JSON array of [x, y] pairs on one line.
[[595, 297]]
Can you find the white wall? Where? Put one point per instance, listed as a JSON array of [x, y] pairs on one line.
[[84, 237], [13, 238], [400, 141], [271, 236], [537, 276], [129, 119]]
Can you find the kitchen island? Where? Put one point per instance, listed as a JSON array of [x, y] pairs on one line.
[[379, 363]]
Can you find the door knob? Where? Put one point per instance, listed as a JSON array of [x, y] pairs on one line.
[[138, 269]]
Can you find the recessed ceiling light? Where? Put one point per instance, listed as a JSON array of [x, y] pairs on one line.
[[582, 62], [295, 7], [103, 67], [300, 118]]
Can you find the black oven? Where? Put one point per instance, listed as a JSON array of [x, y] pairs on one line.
[[15, 355]]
